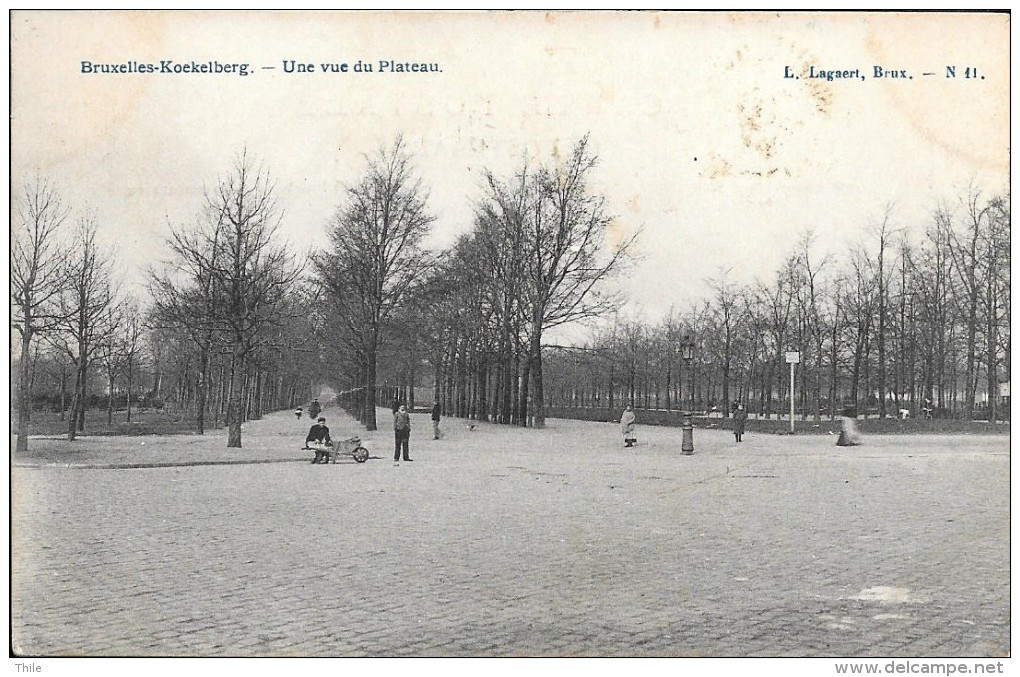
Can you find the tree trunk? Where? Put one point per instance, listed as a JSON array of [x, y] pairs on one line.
[[993, 386], [971, 378], [483, 388], [203, 386], [130, 386], [81, 400], [610, 389], [991, 324], [463, 378], [437, 381], [538, 400], [257, 394], [24, 398], [506, 387], [235, 399], [76, 423], [726, 382], [31, 384], [370, 420], [220, 394], [669, 376], [72, 420], [833, 373], [525, 388], [816, 381], [410, 395], [109, 401], [63, 390]]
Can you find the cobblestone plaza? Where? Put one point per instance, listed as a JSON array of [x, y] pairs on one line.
[[512, 542]]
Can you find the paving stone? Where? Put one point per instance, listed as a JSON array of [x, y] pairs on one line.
[[520, 543]]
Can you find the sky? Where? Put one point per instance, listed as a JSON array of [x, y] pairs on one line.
[[705, 147]]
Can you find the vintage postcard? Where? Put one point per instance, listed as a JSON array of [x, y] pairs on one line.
[[617, 282]]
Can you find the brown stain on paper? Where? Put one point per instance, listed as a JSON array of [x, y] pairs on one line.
[[104, 102], [617, 233], [922, 118]]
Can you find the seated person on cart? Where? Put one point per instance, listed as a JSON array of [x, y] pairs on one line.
[[318, 440]]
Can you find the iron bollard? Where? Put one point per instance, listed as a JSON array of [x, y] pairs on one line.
[[687, 423]]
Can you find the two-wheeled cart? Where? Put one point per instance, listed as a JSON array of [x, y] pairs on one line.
[[349, 447], [346, 447]]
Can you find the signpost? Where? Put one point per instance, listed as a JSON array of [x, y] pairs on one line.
[[792, 358]]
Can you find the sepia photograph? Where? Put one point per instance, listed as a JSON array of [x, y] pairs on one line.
[[630, 334]]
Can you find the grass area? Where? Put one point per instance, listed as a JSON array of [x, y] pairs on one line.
[[143, 422], [889, 426], [163, 422]]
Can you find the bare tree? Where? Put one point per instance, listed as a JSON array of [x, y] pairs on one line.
[[810, 293], [567, 256], [131, 345], [858, 302], [86, 303], [966, 252], [376, 256], [37, 277], [884, 232], [995, 267], [184, 296], [251, 273], [726, 316], [933, 269], [109, 353], [225, 289], [499, 239]]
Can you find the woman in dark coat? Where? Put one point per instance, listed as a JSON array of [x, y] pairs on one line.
[[739, 418]]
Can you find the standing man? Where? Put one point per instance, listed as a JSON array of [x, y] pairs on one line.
[[401, 433], [436, 411], [739, 419]]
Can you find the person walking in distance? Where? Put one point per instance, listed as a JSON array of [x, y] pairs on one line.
[[315, 408], [848, 434], [739, 419], [436, 412], [627, 426], [401, 433]]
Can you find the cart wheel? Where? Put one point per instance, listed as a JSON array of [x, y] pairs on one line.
[[360, 454]]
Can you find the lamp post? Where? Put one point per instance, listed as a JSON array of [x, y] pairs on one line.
[[687, 422]]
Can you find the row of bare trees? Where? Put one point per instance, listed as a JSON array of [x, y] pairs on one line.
[[892, 323], [236, 327], [227, 333], [474, 317], [898, 321], [372, 272], [66, 305], [231, 293]]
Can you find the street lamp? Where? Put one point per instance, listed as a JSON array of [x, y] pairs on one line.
[[687, 422]]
